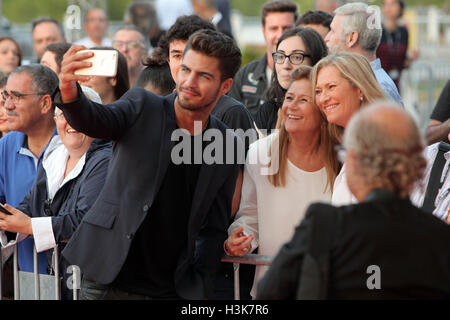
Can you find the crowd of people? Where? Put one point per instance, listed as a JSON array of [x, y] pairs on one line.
[[146, 179]]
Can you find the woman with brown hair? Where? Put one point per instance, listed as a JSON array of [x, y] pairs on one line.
[[301, 169], [296, 47], [342, 84], [3, 117], [10, 55]]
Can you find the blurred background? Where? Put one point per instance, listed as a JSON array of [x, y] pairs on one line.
[[428, 23]]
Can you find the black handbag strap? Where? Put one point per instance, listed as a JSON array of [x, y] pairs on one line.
[[435, 183]]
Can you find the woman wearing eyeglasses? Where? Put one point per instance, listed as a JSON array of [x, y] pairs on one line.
[[296, 47], [343, 83], [69, 179], [302, 168]]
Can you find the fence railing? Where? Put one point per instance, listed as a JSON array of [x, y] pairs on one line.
[[250, 258], [253, 259], [41, 281]]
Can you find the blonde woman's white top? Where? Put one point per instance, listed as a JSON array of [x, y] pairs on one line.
[[341, 193]]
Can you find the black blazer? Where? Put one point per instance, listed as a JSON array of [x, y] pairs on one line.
[[408, 245], [141, 125]]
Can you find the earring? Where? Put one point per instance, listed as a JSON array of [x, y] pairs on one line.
[[361, 98]]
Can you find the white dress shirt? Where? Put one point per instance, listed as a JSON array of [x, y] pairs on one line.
[[442, 202]]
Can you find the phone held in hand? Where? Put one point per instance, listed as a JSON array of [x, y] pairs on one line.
[[3, 209], [104, 63]]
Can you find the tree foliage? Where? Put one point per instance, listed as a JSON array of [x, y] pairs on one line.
[[22, 11]]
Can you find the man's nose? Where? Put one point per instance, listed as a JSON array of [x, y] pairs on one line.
[[279, 34], [9, 104], [123, 48], [190, 81]]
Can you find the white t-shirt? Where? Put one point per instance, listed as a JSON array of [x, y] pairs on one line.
[[271, 213], [442, 202]]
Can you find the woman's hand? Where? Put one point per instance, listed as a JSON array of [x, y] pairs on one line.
[[238, 244], [17, 222]]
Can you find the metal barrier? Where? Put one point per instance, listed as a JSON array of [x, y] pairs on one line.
[[253, 259], [46, 284], [249, 258], [421, 86]]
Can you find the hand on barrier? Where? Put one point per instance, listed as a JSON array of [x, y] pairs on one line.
[[238, 244]]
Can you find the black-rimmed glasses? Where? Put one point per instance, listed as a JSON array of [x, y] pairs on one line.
[[294, 58], [15, 96]]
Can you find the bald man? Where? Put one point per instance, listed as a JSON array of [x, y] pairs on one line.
[[381, 248], [44, 32], [327, 5]]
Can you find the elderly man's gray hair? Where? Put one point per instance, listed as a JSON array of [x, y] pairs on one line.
[[387, 145], [358, 16], [43, 79]]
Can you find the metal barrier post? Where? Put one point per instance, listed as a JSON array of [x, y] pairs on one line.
[[75, 282], [237, 293], [56, 268], [37, 288], [249, 258], [16, 274]]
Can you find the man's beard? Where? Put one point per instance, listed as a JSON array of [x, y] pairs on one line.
[[185, 104], [339, 47]]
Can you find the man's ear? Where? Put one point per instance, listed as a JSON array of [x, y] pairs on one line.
[[263, 31], [112, 81], [46, 104], [351, 39], [226, 85]]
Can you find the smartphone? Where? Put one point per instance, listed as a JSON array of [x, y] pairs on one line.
[[104, 63], [3, 209]]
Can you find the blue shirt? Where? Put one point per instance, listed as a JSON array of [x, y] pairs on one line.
[[386, 82], [18, 168]]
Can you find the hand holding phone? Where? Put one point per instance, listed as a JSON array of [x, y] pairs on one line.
[[104, 63], [4, 210]]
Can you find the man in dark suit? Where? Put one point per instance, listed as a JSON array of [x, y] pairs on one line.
[[383, 247], [171, 48], [157, 228]]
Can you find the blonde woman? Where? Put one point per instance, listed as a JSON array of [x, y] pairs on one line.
[[343, 83], [302, 151]]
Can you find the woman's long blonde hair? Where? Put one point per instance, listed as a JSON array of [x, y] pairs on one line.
[[357, 70], [326, 143]]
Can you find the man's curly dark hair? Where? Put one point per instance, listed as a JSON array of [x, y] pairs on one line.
[[182, 29]]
